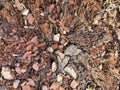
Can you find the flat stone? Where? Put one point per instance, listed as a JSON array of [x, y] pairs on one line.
[[6, 73], [63, 63], [69, 69], [72, 50], [60, 54]]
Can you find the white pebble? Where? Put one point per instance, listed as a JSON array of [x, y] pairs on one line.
[[6, 73], [56, 37], [16, 83], [25, 12]]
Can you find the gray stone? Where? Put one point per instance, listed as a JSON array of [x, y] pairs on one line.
[[72, 50], [70, 71]]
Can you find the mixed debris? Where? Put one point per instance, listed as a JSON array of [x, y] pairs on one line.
[[59, 44]]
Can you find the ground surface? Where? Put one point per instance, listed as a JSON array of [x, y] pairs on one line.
[[59, 44]]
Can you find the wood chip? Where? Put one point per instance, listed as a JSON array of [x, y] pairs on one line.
[[27, 87], [30, 82], [55, 46], [55, 86], [29, 47], [74, 84], [30, 18], [35, 66], [44, 28]]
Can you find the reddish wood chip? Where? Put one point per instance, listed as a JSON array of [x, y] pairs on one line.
[[74, 84], [19, 5], [34, 40], [71, 1], [35, 66], [55, 86], [30, 18], [30, 82], [26, 54], [55, 46], [44, 27], [29, 47], [41, 44], [27, 87]]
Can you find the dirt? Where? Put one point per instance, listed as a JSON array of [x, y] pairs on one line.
[[34, 56]]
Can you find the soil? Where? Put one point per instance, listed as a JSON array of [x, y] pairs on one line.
[[31, 48]]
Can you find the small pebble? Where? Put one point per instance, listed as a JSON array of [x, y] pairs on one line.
[[56, 37], [71, 71], [16, 83], [54, 66], [6, 73], [72, 50], [59, 78], [25, 12], [44, 87], [50, 49]]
